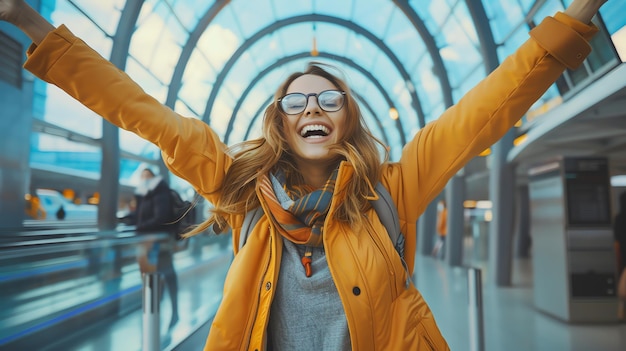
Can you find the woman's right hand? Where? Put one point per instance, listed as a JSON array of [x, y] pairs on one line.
[[584, 10], [20, 14], [9, 10]]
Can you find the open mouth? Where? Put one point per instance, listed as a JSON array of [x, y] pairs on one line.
[[314, 131]]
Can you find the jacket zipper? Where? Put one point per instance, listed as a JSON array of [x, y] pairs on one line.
[[258, 301]]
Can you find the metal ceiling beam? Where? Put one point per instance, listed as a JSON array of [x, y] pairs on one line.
[[488, 47], [108, 185], [501, 172], [310, 18], [431, 46], [306, 54], [190, 45]]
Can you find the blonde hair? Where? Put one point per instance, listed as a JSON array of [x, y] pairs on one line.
[[255, 158]]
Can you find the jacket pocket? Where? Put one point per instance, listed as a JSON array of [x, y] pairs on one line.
[[430, 336], [412, 325]]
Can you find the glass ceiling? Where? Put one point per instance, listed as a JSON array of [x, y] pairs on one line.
[[222, 61]]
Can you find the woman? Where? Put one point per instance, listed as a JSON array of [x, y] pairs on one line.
[[322, 277]]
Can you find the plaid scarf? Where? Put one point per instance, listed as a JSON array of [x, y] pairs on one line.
[[299, 212]]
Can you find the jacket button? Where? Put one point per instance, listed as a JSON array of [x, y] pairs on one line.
[[356, 291], [268, 286]]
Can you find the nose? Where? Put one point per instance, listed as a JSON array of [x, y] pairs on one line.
[[311, 104]]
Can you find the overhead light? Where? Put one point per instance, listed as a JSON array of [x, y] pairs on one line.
[[469, 203], [618, 180], [520, 139], [484, 204], [488, 216], [314, 51], [393, 113]]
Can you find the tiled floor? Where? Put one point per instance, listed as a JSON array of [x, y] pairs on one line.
[[511, 322]]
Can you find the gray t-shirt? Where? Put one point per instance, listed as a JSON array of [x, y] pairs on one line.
[[306, 313]]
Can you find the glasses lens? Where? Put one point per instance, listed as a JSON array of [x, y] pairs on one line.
[[331, 100], [293, 104]]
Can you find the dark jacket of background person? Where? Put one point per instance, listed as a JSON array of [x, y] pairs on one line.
[[154, 207]]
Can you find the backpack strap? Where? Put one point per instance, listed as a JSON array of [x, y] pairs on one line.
[[388, 215], [252, 217]]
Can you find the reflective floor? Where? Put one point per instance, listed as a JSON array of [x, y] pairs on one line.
[[197, 302], [511, 322], [60, 291]]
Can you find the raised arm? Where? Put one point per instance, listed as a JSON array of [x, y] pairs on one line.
[[190, 149], [491, 108], [20, 14], [584, 10]]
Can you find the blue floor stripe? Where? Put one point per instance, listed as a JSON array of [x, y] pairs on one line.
[[70, 314], [42, 271]]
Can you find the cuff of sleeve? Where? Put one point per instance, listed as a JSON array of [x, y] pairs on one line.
[[565, 38], [40, 58], [586, 30]]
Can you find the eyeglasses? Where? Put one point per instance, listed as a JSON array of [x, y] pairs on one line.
[[327, 100]]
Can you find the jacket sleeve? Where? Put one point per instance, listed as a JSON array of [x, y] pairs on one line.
[[481, 117], [485, 113], [190, 149]]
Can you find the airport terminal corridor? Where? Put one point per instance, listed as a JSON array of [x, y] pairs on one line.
[[523, 249]]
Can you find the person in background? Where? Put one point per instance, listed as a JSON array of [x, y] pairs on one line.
[[153, 203], [318, 271], [442, 229], [153, 214]]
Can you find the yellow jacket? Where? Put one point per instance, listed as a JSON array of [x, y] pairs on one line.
[[382, 313]]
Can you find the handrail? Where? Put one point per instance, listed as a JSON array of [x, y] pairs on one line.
[[92, 240]]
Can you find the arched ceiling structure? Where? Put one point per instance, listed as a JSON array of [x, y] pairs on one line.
[[317, 19], [203, 59], [411, 114], [222, 60]]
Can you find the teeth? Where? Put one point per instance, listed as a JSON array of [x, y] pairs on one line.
[[314, 127]]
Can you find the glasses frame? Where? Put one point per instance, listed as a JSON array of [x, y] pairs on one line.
[[307, 96]]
